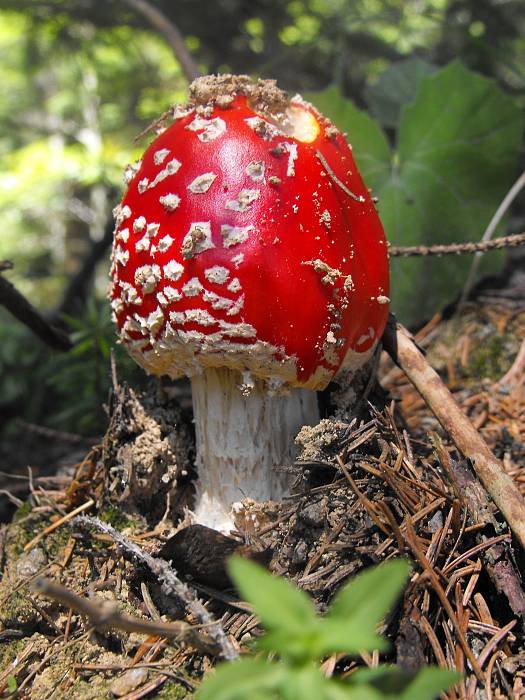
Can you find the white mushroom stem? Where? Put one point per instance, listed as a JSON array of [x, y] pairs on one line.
[[241, 439]]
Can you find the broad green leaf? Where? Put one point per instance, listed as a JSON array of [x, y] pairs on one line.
[[308, 683], [392, 682], [238, 680], [396, 87], [341, 690], [455, 157], [370, 595], [368, 140], [429, 683], [294, 645], [279, 604], [386, 678], [348, 636], [330, 636]]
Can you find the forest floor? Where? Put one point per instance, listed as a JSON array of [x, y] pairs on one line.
[[386, 484]]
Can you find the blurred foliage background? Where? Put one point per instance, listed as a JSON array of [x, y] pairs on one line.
[[81, 78]]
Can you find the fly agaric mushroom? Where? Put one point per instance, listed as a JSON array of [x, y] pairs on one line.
[[248, 256]]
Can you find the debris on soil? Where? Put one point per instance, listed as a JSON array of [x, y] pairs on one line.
[[366, 489]]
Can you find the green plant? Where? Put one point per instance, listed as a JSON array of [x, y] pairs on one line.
[[287, 667], [456, 139], [80, 379], [67, 390]]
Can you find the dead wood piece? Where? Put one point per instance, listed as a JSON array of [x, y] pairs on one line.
[[497, 558], [202, 553], [170, 583], [104, 614], [25, 312], [409, 642], [499, 485]]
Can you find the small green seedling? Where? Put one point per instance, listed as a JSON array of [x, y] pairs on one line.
[[296, 639]]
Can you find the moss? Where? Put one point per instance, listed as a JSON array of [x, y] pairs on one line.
[[490, 359], [24, 527], [9, 651], [56, 541], [173, 691], [23, 511], [115, 517], [17, 611]]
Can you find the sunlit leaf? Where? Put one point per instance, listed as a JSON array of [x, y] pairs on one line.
[[238, 679], [371, 594], [279, 604]]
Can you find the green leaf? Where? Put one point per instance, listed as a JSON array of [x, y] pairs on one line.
[[456, 155], [386, 678], [429, 683], [393, 682], [347, 636], [369, 143], [12, 685], [370, 595], [308, 683], [341, 690], [238, 680], [279, 604], [396, 87]]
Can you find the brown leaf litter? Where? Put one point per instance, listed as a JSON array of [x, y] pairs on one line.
[[383, 485]]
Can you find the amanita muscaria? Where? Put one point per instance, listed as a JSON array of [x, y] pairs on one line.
[[249, 256]]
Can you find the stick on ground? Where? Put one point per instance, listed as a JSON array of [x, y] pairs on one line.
[[103, 615], [498, 484], [170, 582]]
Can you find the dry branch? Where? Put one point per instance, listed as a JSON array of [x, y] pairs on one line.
[[498, 484], [24, 311], [104, 614], [513, 241], [170, 32], [170, 583]]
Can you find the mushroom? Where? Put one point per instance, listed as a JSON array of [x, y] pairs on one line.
[[248, 256]]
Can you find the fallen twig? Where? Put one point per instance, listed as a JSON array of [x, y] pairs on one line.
[[499, 485], [103, 614], [170, 583], [513, 241]]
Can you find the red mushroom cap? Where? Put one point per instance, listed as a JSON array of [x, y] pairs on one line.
[[247, 239]]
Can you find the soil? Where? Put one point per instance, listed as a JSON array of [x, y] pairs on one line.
[[368, 487]]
